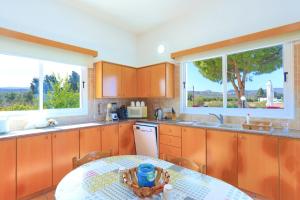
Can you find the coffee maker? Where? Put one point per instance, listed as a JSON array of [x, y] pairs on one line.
[[114, 114], [111, 112]]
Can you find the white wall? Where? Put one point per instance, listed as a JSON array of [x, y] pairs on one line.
[[216, 20], [54, 20]]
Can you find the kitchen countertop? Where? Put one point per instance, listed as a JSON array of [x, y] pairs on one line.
[[22, 133], [291, 133]]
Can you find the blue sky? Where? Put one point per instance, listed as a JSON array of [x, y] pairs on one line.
[[19, 71], [201, 83]]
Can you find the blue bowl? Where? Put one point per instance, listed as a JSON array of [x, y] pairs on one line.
[[146, 175]]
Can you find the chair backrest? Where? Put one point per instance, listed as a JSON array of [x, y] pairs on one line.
[[184, 162], [90, 157]]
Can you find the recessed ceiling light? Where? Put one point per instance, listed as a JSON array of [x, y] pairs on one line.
[[161, 49]]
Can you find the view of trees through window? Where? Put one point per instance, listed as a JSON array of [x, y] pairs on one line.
[[254, 80], [20, 80]]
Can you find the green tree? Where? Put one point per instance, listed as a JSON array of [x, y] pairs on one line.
[[74, 79], [34, 86], [260, 93], [48, 83], [241, 67], [62, 95]]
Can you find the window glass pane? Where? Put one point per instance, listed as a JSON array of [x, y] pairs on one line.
[[19, 83], [61, 86], [204, 83], [255, 79]]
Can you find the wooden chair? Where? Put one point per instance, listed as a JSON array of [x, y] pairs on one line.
[[90, 157], [185, 163]]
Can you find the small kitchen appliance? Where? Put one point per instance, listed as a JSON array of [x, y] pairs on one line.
[[137, 112]]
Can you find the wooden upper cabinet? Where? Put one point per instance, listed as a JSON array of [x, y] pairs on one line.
[[162, 80], [89, 140], [110, 138], [143, 82], [194, 145], [34, 164], [129, 86], [65, 146], [8, 169], [158, 80], [222, 155], [126, 139], [289, 163], [112, 80], [258, 169]]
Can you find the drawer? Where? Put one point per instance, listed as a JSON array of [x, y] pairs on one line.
[[170, 140], [169, 150], [170, 130]]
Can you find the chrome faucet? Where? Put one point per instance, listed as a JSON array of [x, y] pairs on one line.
[[219, 117]]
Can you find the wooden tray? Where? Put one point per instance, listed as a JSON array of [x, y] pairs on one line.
[[130, 179], [258, 125]]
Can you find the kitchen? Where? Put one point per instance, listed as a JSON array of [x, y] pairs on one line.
[[224, 98]]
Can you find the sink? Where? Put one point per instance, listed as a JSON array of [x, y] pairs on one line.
[[186, 122], [231, 126], [210, 124]]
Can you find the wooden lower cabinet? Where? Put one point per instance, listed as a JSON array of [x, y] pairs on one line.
[[65, 146], [34, 164], [258, 169], [171, 130], [126, 139], [110, 138], [222, 155], [169, 152], [89, 140], [289, 163], [194, 145], [8, 169]]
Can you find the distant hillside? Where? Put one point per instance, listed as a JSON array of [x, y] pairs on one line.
[[231, 93], [13, 89]]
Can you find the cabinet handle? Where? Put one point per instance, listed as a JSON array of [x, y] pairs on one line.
[[54, 135]]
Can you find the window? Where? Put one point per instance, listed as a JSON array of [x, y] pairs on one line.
[[254, 81], [35, 85]]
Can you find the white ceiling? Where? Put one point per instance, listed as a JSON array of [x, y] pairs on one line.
[[136, 16]]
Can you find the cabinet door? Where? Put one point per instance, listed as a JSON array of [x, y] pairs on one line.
[[143, 82], [126, 139], [110, 138], [34, 164], [65, 146], [8, 169], [258, 170], [194, 144], [129, 82], [89, 140], [289, 168], [158, 80], [111, 76], [222, 155]]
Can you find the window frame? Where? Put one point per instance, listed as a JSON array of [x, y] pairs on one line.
[[288, 112], [82, 110]]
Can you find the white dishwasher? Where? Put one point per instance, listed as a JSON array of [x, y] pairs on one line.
[[146, 138]]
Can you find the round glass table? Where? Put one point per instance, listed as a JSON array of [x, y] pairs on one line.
[[100, 180]]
